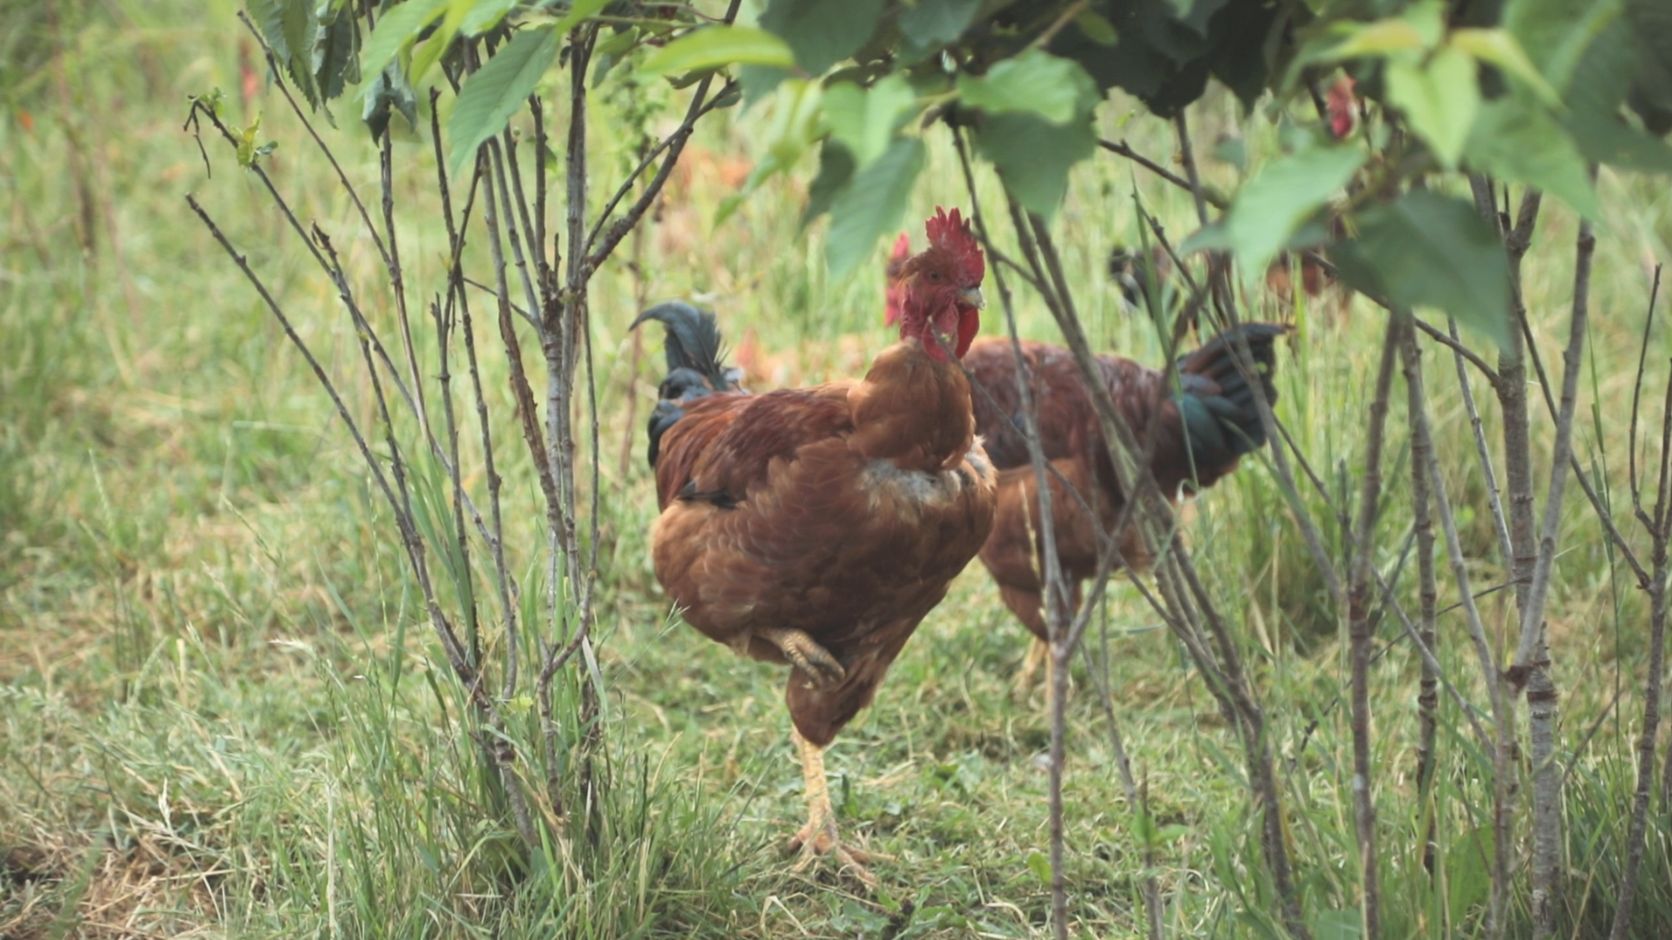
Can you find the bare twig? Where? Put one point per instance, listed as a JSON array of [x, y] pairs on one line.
[[1121, 148], [1359, 635], [1428, 700]]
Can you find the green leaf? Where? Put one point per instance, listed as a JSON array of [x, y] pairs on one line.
[[1033, 157], [1034, 82], [290, 28], [1270, 207], [934, 23], [715, 46], [440, 39], [494, 92], [1429, 250], [1097, 27], [579, 10], [1040, 866], [1604, 138], [485, 15], [269, 16], [836, 167], [1557, 33], [399, 26], [1439, 100], [1518, 142], [338, 63], [1499, 48], [1378, 39], [389, 91], [863, 119], [872, 204], [822, 32]]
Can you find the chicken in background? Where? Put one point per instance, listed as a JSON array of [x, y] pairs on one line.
[[1198, 433], [816, 527]]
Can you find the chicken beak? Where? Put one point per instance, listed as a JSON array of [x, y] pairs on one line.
[[971, 296]]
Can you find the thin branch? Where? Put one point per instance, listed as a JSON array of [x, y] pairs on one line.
[[599, 246], [1121, 148]]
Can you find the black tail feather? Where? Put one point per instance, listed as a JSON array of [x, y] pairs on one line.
[[693, 350], [1220, 415]]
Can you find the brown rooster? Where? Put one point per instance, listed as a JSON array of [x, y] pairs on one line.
[[816, 527], [1198, 432]]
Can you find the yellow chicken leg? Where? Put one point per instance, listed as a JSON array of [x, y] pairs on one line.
[[1038, 653], [818, 837]]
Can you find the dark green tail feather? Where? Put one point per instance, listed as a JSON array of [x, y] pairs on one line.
[[1217, 404]]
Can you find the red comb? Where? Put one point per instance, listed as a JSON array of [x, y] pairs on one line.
[[952, 233]]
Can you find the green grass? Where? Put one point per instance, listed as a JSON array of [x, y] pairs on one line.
[[222, 712]]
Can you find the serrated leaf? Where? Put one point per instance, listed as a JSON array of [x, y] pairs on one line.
[[1518, 142], [338, 64], [1269, 209], [399, 26], [715, 46], [1430, 250], [1033, 157], [290, 28], [301, 22], [1439, 99], [491, 94], [863, 119], [872, 204], [1499, 48], [821, 32], [269, 16], [1034, 82]]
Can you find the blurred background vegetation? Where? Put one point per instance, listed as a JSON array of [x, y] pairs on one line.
[[221, 713]]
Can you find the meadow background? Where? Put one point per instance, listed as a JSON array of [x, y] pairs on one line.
[[221, 713]]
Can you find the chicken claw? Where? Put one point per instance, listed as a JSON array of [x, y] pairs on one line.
[[818, 837], [825, 842], [813, 660]]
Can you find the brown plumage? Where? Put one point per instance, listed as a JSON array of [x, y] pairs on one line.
[[816, 527], [1198, 434]]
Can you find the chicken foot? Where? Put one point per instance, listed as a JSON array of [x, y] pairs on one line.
[[814, 661], [819, 837]]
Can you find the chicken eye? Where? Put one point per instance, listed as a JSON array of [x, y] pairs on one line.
[[934, 275]]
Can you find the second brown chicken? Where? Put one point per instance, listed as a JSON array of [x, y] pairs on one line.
[[1201, 429]]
